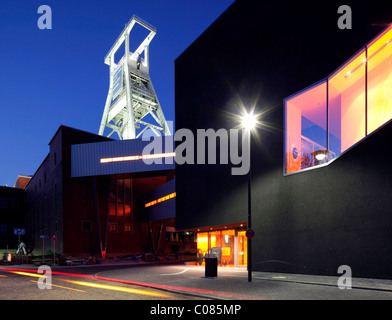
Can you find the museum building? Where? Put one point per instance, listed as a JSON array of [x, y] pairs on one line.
[[320, 161]]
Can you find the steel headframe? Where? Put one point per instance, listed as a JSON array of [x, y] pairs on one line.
[[131, 95]]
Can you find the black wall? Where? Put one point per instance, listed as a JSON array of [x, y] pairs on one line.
[[257, 54], [12, 215]]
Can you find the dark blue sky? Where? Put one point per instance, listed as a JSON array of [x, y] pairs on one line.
[[54, 77]]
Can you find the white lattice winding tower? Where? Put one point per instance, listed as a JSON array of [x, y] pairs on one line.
[[131, 95]]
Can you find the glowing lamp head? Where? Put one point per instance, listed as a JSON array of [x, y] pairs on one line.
[[249, 121], [320, 155]]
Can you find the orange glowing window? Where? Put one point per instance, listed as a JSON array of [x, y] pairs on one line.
[[327, 119], [347, 105], [138, 157], [306, 128], [165, 198], [380, 81], [202, 242], [226, 251]]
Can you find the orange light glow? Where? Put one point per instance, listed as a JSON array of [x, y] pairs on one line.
[[242, 248], [35, 275], [138, 157], [57, 286], [165, 198], [347, 104], [117, 288], [225, 241], [226, 251], [202, 242], [379, 82]]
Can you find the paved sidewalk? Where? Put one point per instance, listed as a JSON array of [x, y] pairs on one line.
[[232, 283]]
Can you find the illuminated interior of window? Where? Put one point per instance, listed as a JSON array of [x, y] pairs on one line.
[[380, 81], [224, 245], [242, 248], [347, 105], [120, 198], [306, 128], [327, 119]]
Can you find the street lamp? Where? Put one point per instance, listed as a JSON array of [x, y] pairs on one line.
[[249, 121]]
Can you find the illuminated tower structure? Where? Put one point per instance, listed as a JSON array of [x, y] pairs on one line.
[[132, 105]]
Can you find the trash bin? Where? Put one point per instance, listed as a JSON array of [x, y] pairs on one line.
[[211, 267]]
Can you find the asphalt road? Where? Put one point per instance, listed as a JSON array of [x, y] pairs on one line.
[[77, 284], [180, 282]]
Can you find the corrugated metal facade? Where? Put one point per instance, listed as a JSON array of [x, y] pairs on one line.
[[86, 158]]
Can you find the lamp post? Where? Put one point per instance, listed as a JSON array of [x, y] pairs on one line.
[[249, 123]]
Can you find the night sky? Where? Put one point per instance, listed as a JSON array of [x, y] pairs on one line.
[[58, 77]]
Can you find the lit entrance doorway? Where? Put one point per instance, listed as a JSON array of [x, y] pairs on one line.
[[229, 246]]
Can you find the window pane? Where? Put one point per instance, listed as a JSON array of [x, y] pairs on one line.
[[380, 81], [202, 243], [127, 208], [120, 195], [112, 194], [3, 203], [306, 133], [120, 210], [127, 196], [112, 209], [113, 182], [242, 249], [120, 183], [112, 227], [127, 183], [128, 227], [346, 105]]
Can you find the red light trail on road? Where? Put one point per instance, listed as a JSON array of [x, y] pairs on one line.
[[214, 293]]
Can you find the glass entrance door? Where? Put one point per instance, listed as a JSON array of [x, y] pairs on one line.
[[242, 241], [229, 246]]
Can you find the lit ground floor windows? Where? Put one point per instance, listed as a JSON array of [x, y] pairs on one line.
[[229, 246]]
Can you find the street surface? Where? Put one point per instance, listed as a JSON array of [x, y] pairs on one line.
[[178, 282], [78, 283]]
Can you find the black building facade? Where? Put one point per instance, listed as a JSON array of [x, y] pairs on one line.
[[12, 216], [256, 55]]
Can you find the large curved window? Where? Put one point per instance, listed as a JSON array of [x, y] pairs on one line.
[[380, 81], [306, 128], [325, 120], [347, 105]]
